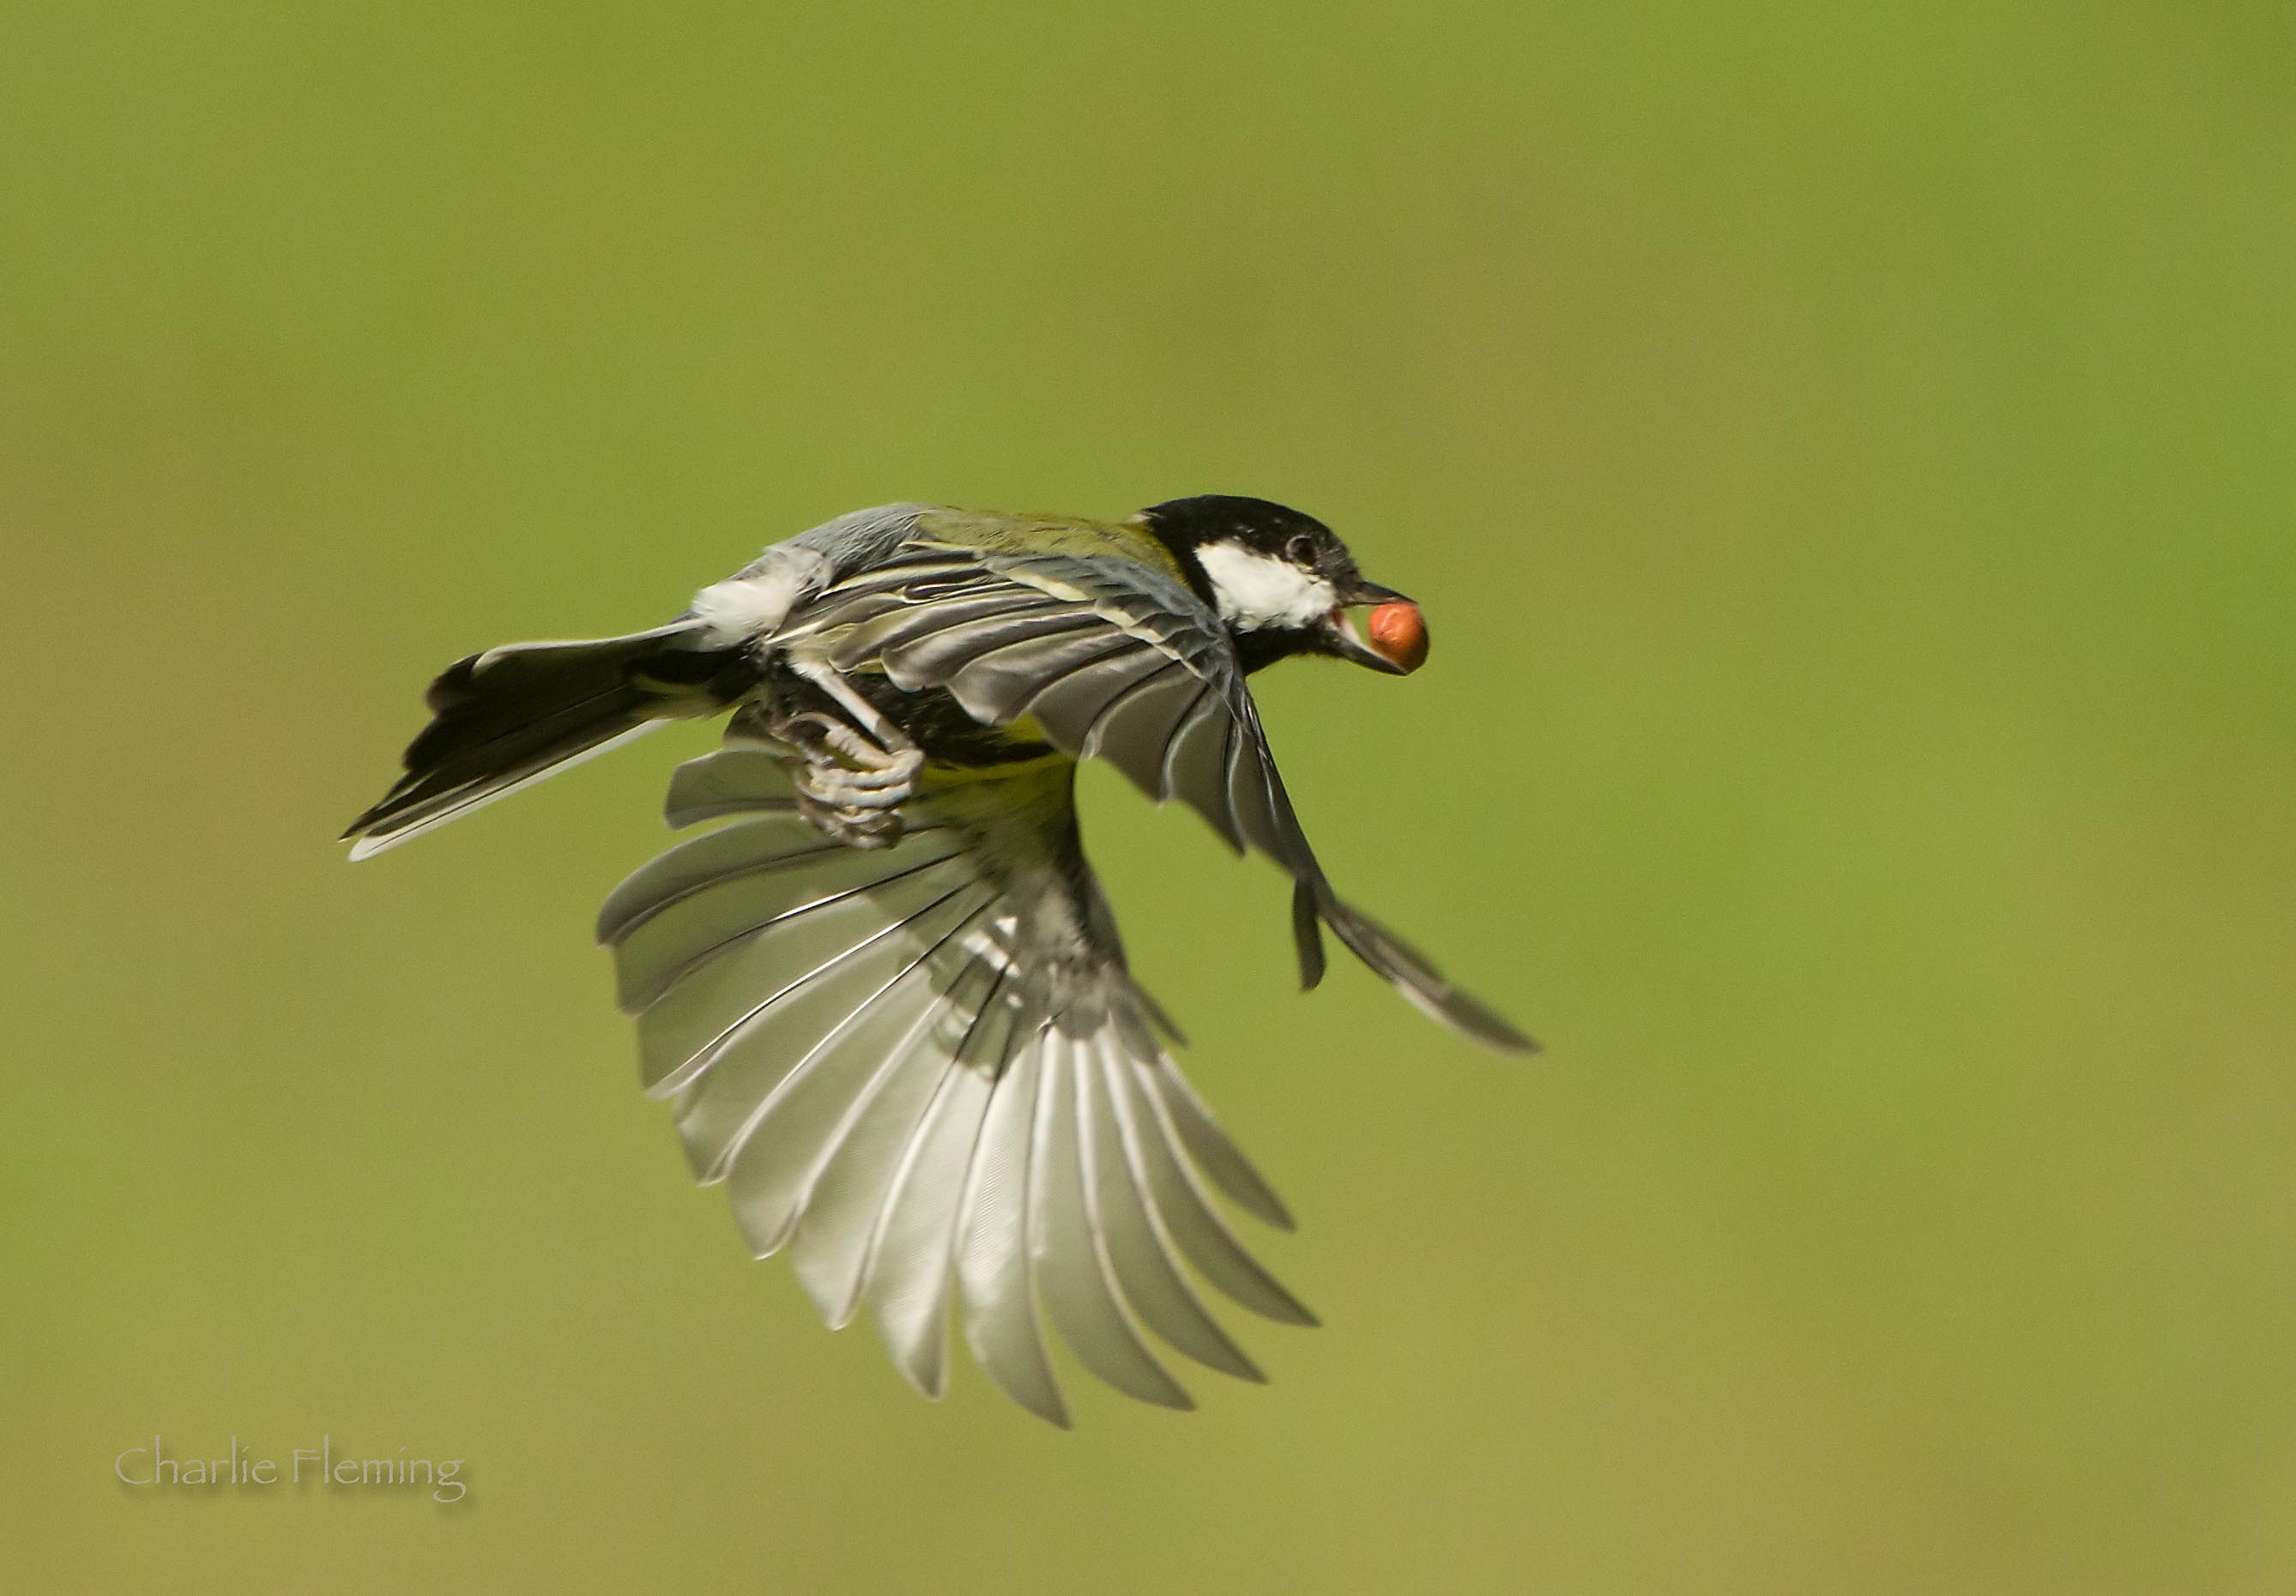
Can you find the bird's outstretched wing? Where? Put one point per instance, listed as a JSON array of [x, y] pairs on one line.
[[925, 1070], [1109, 658]]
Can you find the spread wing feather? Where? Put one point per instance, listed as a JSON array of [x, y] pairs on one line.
[[1112, 660], [925, 1071]]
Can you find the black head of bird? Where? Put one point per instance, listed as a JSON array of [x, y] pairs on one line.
[[1280, 580]]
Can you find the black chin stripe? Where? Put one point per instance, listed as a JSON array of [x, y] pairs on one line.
[[1260, 649]]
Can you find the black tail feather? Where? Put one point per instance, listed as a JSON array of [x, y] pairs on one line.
[[511, 716]]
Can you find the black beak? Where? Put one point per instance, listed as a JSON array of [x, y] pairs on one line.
[[1359, 591]]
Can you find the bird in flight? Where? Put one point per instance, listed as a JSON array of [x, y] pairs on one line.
[[884, 997]]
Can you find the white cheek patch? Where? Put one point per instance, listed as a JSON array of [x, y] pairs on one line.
[[1254, 591]]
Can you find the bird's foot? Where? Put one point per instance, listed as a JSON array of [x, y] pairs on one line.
[[849, 784]]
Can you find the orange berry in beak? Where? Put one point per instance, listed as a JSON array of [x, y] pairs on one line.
[[1399, 634]]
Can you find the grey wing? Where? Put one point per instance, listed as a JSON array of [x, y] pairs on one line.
[[925, 1070], [1117, 661]]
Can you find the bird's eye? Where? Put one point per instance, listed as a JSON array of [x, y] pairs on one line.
[[1300, 550]]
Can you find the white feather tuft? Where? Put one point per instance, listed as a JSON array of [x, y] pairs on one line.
[[754, 604]]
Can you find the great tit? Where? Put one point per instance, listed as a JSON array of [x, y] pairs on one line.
[[886, 998]]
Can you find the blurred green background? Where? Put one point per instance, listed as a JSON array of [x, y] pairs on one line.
[[1844, 453]]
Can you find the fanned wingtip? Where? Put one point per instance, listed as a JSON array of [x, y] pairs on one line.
[[1408, 971], [1047, 1405], [926, 1370], [1308, 935], [1513, 1042], [1476, 1021], [1459, 1011]]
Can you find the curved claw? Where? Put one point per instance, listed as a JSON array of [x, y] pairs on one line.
[[850, 785]]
